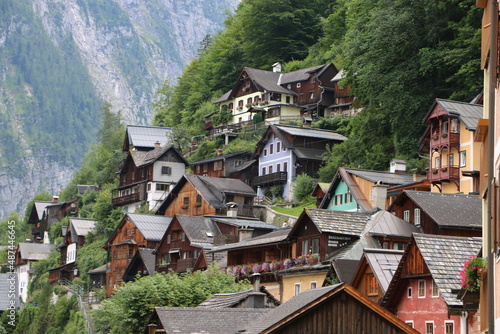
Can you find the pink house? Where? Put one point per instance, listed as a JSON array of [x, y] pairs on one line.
[[424, 289]]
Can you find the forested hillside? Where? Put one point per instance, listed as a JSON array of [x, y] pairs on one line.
[[399, 56], [59, 62]]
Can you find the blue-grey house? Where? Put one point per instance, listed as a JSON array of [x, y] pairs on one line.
[[287, 151]]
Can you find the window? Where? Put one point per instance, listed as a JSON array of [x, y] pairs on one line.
[[263, 170], [371, 286], [270, 169], [435, 290], [278, 167], [177, 235], [421, 288], [409, 292], [285, 166], [313, 285], [169, 237], [198, 199], [278, 147], [429, 328], [297, 288], [307, 142], [338, 199], [149, 186], [265, 152], [205, 168], [416, 217], [315, 246], [437, 162], [311, 96], [218, 165], [165, 170], [463, 158], [305, 247], [271, 149], [451, 160], [283, 147], [445, 127], [287, 100], [406, 215], [162, 187], [130, 232], [348, 197], [409, 323], [298, 84], [186, 201], [448, 327]]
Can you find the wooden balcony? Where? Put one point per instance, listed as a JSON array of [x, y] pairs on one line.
[[136, 193], [270, 179], [444, 174], [124, 200], [183, 265], [451, 139]]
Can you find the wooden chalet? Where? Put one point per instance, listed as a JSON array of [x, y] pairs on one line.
[[277, 97], [375, 271], [440, 213], [133, 232], [334, 309], [284, 152], [74, 238], [364, 190], [320, 189], [147, 177], [423, 291], [345, 103], [26, 254], [449, 143], [45, 213], [97, 276], [222, 165], [202, 195]]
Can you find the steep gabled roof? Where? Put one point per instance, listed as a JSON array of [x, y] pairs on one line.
[[384, 177], [246, 222], [212, 189], [444, 256], [188, 320], [34, 252], [468, 113], [447, 210], [387, 224], [152, 227], [221, 157], [384, 263], [144, 255], [144, 158], [81, 226], [303, 74], [145, 137], [338, 222], [199, 230], [307, 301]]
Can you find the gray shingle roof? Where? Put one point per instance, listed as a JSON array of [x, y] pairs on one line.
[[99, 270], [286, 309], [445, 257], [449, 209], [311, 132], [245, 222], [82, 226], [387, 224], [153, 227], [383, 263], [40, 207], [214, 189], [82, 188], [276, 236], [148, 258], [189, 320], [147, 136], [35, 252], [340, 222], [220, 157], [300, 75], [383, 177], [5, 283], [225, 300], [345, 269], [267, 80], [198, 229], [468, 113]]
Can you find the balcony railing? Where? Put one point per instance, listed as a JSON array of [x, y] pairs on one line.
[[444, 174], [270, 179], [129, 194], [127, 199], [183, 264], [445, 139]]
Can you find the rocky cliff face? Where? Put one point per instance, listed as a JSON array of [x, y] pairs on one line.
[[60, 59]]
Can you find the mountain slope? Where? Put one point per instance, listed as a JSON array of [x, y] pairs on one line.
[[61, 59]]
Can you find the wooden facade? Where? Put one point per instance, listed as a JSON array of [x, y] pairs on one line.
[[220, 165]]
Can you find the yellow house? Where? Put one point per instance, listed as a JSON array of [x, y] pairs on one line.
[[449, 142]]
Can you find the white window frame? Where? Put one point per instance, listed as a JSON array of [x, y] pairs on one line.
[[434, 285], [417, 217], [314, 285], [410, 323], [406, 215], [297, 289], [409, 292], [463, 158], [421, 281]]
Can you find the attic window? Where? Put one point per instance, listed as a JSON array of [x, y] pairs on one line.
[[165, 170]]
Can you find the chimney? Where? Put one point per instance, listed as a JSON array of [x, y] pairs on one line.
[[277, 67], [219, 152], [398, 166], [161, 124], [157, 144], [232, 212], [46, 239], [379, 195], [55, 198], [416, 177], [256, 299], [245, 233]]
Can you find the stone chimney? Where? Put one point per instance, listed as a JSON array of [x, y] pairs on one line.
[[232, 212], [219, 152], [245, 233], [157, 144], [55, 198], [398, 166], [277, 67], [379, 195]]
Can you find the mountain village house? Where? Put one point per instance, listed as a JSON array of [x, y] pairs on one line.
[[26, 254]]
